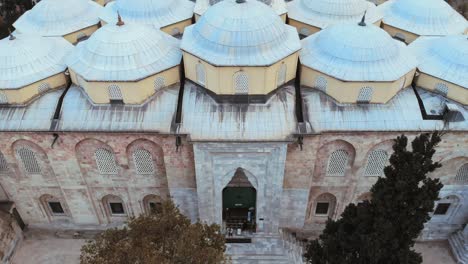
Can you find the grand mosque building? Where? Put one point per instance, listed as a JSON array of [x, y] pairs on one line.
[[271, 113]]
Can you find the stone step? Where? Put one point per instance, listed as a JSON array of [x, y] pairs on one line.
[[459, 247]]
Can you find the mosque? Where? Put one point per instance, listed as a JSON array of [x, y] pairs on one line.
[[269, 114]]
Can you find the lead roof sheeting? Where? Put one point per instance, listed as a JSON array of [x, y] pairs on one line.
[[423, 17], [156, 13], [279, 6], [125, 53], [205, 119], [323, 13], [59, 17], [28, 59], [36, 116], [357, 53], [248, 34], [156, 115], [445, 57]]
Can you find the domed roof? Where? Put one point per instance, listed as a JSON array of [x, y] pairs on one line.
[[351, 52], [26, 59], [124, 53], [424, 17], [157, 13], [240, 34], [323, 13], [445, 57], [58, 17], [278, 5]]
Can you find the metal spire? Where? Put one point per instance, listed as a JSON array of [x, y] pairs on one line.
[[363, 20], [119, 20], [11, 35]]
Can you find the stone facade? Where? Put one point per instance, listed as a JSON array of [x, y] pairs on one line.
[[10, 236]]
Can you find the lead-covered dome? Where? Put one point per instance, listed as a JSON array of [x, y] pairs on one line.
[[279, 6], [26, 59], [351, 52], [424, 17], [323, 13], [157, 13], [129, 52], [240, 34], [59, 17], [445, 58]]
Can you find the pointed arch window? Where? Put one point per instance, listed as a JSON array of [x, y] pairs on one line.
[[115, 94], [376, 163], [442, 89], [241, 83], [321, 84], [337, 163], [159, 83], [365, 95], [462, 174], [3, 164], [105, 161], [201, 75], [3, 98], [29, 160], [281, 79], [143, 161]]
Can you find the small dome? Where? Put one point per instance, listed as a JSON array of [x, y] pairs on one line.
[[323, 13], [350, 52], [58, 17], [424, 17], [156, 13], [124, 53], [240, 34], [27, 59], [279, 6], [445, 57]]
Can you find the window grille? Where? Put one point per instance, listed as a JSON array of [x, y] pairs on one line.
[[200, 69], [322, 208], [325, 204], [115, 93], [365, 95], [321, 83], [281, 75], [143, 161], [3, 163], [43, 88], [337, 163], [442, 89], [105, 161], [462, 174], [376, 163], [3, 98], [241, 83], [29, 160], [159, 83], [116, 208]]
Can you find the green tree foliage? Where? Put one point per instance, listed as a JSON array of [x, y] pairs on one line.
[[164, 237], [384, 229]]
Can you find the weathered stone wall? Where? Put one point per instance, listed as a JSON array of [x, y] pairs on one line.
[[10, 236]]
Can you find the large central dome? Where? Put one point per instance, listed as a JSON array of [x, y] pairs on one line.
[[240, 34], [350, 52]]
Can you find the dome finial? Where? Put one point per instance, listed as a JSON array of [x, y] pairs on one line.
[[11, 35], [119, 20], [363, 20]]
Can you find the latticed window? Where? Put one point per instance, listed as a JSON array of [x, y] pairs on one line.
[[365, 95], [105, 161], [143, 161], [337, 163], [462, 174], [3, 98], [376, 163], [442, 89], [44, 87], [115, 93], [29, 160], [241, 83], [200, 71], [3, 163], [159, 83], [281, 75], [321, 84]]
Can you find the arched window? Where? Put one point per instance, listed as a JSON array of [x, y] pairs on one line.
[[462, 174], [52, 205], [321, 84], [114, 205], [324, 205], [365, 95], [337, 163], [376, 163], [3, 164], [201, 75], [241, 83], [152, 203], [3, 98], [281, 78], [29, 160], [115, 94], [441, 88], [143, 161], [105, 161], [159, 83], [44, 87]]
